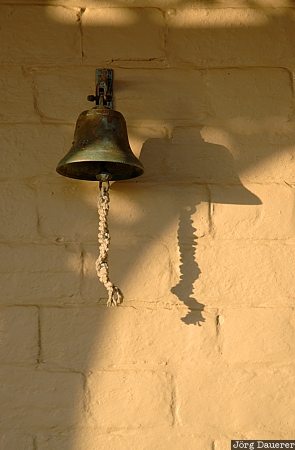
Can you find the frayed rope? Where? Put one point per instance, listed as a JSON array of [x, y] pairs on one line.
[[115, 296]]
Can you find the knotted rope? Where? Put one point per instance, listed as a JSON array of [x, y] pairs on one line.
[[115, 296]]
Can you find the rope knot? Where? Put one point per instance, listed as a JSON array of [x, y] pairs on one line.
[[115, 296]]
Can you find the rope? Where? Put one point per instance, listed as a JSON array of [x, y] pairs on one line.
[[115, 296]]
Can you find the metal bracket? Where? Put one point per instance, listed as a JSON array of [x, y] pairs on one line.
[[104, 88]]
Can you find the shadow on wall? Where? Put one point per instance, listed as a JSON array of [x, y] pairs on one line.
[[184, 160], [198, 163]]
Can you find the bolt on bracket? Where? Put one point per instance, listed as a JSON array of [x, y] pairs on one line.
[[104, 88]]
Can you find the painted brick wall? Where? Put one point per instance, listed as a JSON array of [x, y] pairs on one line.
[[203, 245]]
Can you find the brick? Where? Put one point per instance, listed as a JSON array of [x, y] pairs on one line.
[[163, 96], [134, 211], [263, 151], [113, 393], [16, 92], [53, 399], [119, 29], [272, 219], [245, 273], [19, 335], [150, 270], [159, 211], [10, 440], [18, 211], [250, 95], [38, 30], [159, 439], [35, 273], [210, 111], [231, 37], [32, 150], [143, 338], [225, 157], [258, 335], [247, 393], [187, 158], [58, 200], [53, 87], [275, 163]]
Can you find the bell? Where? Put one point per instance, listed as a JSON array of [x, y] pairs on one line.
[[101, 148]]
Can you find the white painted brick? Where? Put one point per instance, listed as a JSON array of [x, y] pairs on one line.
[[209, 107], [258, 335], [34, 399], [123, 34], [98, 338], [39, 273], [250, 95], [160, 439], [39, 34], [251, 273], [61, 198], [12, 440], [144, 271], [32, 150], [231, 36], [18, 212], [113, 393], [236, 398], [263, 150], [274, 218], [18, 335], [137, 211], [187, 158], [158, 211], [17, 102], [142, 97]]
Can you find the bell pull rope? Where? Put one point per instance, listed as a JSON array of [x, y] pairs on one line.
[[115, 296]]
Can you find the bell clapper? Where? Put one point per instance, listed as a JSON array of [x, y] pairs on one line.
[[115, 296]]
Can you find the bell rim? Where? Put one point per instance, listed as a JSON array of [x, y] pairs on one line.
[[60, 169], [90, 154]]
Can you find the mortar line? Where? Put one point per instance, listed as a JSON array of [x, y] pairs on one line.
[[82, 269], [165, 36], [35, 447], [80, 25], [183, 66], [218, 332], [39, 354], [173, 400], [210, 211], [35, 94]]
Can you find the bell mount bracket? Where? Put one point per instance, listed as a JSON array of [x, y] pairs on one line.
[[104, 88]]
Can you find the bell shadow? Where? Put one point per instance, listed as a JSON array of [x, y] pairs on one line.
[[185, 161]]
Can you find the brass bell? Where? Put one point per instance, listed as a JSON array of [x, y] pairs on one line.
[[101, 146], [101, 152]]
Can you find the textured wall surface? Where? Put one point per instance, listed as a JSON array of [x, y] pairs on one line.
[[203, 245]]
